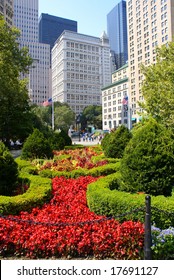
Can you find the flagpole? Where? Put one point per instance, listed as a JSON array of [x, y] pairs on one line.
[[52, 114]]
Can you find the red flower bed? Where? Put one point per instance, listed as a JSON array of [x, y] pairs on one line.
[[66, 227]]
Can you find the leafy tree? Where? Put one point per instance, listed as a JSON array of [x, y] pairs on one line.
[[15, 119], [8, 171], [41, 120], [114, 143], [147, 164], [158, 86], [64, 117], [92, 114]]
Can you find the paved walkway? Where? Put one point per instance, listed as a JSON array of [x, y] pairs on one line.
[[16, 153], [85, 143]]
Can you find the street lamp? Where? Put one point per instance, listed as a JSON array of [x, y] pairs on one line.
[[78, 121]]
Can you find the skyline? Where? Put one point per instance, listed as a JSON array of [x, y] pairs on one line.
[[90, 15]]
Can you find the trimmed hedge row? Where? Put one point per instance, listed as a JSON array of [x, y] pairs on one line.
[[95, 159], [95, 172], [37, 194], [103, 198]]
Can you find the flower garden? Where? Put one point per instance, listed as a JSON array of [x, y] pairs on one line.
[[58, 216]]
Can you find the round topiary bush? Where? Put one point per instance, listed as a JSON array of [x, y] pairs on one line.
[[148, 161], [36, 146], [57, 141], [114, 143], [8, 171]]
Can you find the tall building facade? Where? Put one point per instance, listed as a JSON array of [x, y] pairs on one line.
[[80, 68], [26, 19], [117, 33], [150, 24], [115, 100], [6, 10], [51, 27]]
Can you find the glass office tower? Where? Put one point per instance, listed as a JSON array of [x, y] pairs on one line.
[[117, 33], [51, 27]]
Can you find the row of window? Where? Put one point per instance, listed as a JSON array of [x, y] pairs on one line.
[[83, 47], [145, 2]]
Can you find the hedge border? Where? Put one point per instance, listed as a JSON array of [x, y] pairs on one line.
[[104, 200], [37, 194], [95, 172]]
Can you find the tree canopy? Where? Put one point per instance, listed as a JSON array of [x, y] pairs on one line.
[[14, 100], [158, 86], [92, 114], [64, 117]]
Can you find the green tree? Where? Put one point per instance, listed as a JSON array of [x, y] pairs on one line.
[[147, 164], [14, 101], [8, 171], [64, 117], [92, 115], [158, 86]]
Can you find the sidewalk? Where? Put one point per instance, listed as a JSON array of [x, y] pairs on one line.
[[85, 143], [16, 153]]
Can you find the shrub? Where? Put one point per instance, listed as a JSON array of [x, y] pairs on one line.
[[57, 141], [104, 198], [114, 143], [67, 139], [37, 194], [147, 165], [8, 171], [36, 146]]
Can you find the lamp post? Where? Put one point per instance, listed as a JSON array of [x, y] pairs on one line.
[[78, 120]]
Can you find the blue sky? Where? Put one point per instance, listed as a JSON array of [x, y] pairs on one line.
[[91, 15]]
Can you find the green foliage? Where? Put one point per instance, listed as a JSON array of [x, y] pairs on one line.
[[92, 115], [104, 198], [56, 141], [36, 146], [15, 121], [8, 171], [66, 138], [114, 143], [95, 171], [147, 165], [38, 193], [105, 141], [64, 116], [158, 86]]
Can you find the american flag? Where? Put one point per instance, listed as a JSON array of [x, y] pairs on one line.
[[125, 100], [47, 102]]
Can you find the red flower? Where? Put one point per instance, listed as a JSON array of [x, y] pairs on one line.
[[76, 231]]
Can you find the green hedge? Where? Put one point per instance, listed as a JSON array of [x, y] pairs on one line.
[[25, 166], [37, 194], [95, 172], [98, 158], [103, 198]]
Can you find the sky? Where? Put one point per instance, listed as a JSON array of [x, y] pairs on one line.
[[91, 15]]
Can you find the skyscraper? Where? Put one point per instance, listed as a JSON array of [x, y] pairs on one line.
[[51, 27], [26, 19], [80, 68], [117, 33], [150, 24], [6, 10]]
